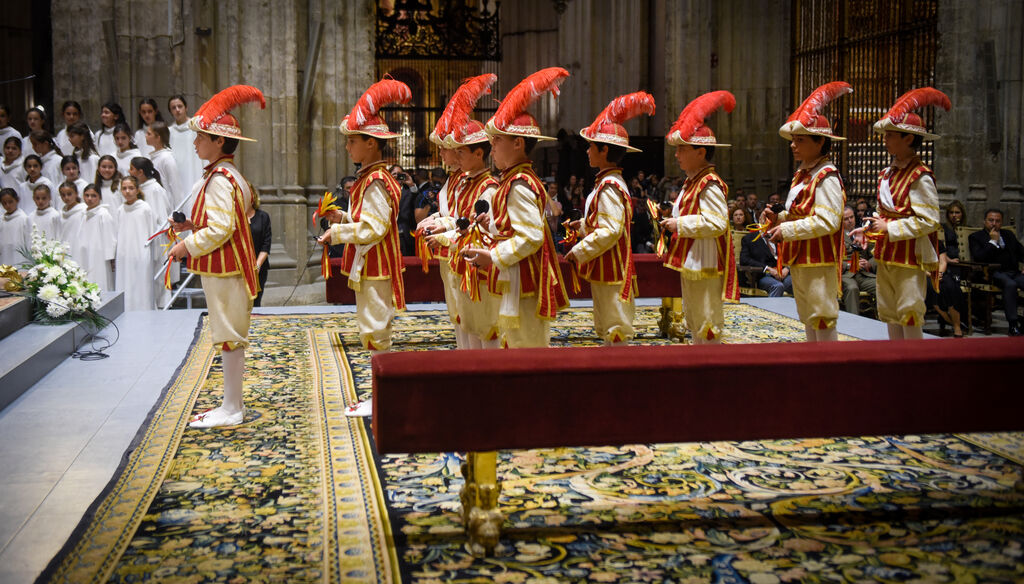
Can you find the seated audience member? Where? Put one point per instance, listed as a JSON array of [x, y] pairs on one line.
[[994, 245], [738, 219], [861, 279], [949, 302], [955, 217], [753, 205], [763, 254], [774, 199]]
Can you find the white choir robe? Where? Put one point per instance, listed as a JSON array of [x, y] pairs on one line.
[[47, 222], [95, 245], [15, 235], [81, 183], [140, 141], [8, 132], [190, 168], [158, 199], [61, 139], [70, 221], [112, 198], [51, 169], [26, 145], [170, 178], [124, 160], [87, 165], [27, 204], [104, 139], [135, 262], [12, 175]]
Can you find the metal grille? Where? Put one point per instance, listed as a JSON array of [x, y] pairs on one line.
[[432, 83], [882, 48]]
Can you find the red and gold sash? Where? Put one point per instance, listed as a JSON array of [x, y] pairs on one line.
[[679, 248], [615, 265], [819, 251], [238, 254], [902, 253], [384, 260], [539, 273]]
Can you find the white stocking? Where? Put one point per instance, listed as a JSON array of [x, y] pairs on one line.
[[895, 332], [912, 332], [474, 342], [812, 336], [234, 371], [828, 335], [493, 344], [461, 337]]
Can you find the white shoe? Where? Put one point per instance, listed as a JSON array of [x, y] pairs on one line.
[[216, 418], [362, 409]]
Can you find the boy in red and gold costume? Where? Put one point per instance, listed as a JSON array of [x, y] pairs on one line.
[[220, 247], [809, 227], [904, 230], [451, 198], [372, 259], [529, 277], [604, 254], [701, 249]]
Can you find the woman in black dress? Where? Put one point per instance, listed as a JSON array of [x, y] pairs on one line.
[[259, 224]]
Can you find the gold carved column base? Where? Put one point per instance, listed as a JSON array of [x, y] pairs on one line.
[[480, 515], [671, 322]]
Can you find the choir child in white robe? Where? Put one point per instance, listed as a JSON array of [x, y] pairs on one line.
[[190, 168], [33, 178], [46, 148], [126, 148], [95, 244], [134, 262], [72, 112], [46, 219], [108, 181], [73, 215], [148, 113], [72, 173], [15, 229], [152, 189], [84, 149], [6, 131], [111, 115], [157, 136], [12, 171], [35, 118]]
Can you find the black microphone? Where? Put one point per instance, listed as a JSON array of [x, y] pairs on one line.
[[325, 225], [462, 223], [178, 217], [575, 214], [481, 206]]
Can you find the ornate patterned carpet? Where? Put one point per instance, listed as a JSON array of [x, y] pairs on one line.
[[297, 494]]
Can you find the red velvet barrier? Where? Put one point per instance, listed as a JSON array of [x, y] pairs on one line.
[[433, 401], [654, 280]]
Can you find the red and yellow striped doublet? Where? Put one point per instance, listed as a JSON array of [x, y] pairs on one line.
[[383, 261], [679, 248], [901, 253], [237, 256], [818, 251], [539, 272], [471, 189], [452, 193], [614, 266]]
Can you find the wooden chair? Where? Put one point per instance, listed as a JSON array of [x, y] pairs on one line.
[[747, 275]]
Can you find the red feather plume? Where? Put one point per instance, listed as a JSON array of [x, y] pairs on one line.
[[527, 92], [817, 100], [623, 108], [228, 98], [694, 114], [457, 112], [917, 98], [377, 96]]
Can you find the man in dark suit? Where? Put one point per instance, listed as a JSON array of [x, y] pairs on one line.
[[763, 254], [995, 245]]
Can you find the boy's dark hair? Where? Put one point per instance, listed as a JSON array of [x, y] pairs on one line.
[[614, 152]]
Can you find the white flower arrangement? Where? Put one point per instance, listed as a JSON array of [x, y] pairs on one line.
[[57, 283]]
